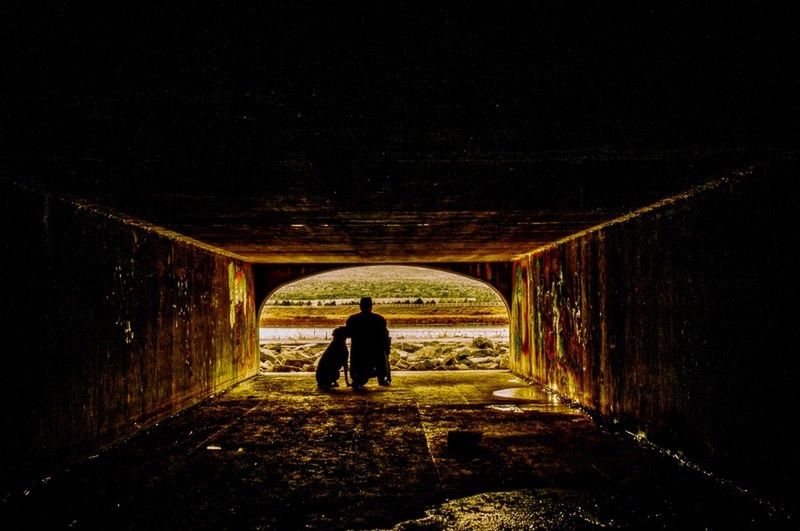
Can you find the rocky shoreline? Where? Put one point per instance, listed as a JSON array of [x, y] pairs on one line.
[[477, 353]]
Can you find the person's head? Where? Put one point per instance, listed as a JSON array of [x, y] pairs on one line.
[[365, 304]]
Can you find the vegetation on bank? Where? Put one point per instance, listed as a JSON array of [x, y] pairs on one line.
[[400, 284], [405, 296]]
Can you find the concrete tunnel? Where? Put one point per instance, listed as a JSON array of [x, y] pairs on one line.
[[652, 319], [641, 226]]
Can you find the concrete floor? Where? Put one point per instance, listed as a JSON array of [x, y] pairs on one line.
[[276, 453]]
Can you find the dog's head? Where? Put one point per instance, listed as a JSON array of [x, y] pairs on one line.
[[340, 333]]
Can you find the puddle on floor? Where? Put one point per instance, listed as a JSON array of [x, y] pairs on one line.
[[526, 393], [505, 407]]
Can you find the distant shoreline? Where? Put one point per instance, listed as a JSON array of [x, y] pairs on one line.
[[439, 333], [429, 315]]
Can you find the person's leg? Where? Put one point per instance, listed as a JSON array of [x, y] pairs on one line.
[[382, 370], [358, 379], [359, 373]]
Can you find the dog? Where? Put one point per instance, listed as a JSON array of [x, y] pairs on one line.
[[333, 359]]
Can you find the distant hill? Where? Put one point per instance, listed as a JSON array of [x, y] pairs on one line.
[[385, 282]]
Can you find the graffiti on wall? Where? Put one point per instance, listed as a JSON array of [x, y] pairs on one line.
[[554, 298], [520, 310], [560, 329], [237, 288], [536, 314]]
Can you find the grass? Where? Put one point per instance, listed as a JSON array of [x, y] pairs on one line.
[[384, 282], [311, 300]]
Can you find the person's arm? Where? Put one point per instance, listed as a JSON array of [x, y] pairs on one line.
[[387, 338], [348, 326]]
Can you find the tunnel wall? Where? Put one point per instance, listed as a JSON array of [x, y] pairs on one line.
[[677, 323], [110, 326]]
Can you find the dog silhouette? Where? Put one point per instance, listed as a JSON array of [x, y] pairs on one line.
[[333, 360]]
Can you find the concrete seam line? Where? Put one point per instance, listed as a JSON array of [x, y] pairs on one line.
[[428, 443]]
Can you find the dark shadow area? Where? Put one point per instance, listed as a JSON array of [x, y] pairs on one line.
[[273, 453]]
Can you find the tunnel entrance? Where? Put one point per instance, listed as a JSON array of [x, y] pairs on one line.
[[437, 320]]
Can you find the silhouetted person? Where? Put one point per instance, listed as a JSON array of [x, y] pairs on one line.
[[369, 347], [332, 360]]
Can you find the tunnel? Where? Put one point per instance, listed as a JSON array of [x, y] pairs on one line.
[[625, 182], [434, 319]]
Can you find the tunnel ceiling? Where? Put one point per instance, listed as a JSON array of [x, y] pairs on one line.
[[303, 132]]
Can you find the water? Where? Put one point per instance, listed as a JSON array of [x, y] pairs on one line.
[[428, 333]]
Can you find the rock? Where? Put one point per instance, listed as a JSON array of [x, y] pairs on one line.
[[307, 346], [463, 440], [409, 347], [447, 348], [463, 353], [482, 342], [428, 351], [428, 355], [266, 354], [269, 355]]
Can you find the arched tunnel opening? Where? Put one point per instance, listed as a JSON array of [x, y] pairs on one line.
[[437, 320]]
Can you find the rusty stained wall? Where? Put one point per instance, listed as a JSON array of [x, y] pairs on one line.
[[110, 326], [678, 324]]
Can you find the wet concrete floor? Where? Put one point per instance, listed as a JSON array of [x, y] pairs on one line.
[[276, 453]]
